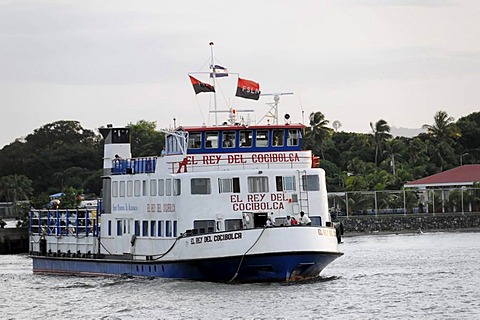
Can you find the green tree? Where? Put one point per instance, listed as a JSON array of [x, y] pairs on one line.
[[71, 198], [381, 132], [319, 132], [443, 127], [442, 133], [145, 139], [15, 188], [469, 130]]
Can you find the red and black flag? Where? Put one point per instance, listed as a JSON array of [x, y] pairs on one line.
[[248, 89], [200, 86]]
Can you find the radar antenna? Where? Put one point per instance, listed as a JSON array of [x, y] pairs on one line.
[[273, 112], [336, 125]]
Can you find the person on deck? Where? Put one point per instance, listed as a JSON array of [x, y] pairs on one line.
[[289, 220], [304, 219], [227, 143], [294, 221]]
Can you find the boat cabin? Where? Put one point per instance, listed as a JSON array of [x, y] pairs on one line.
[[233, 139]]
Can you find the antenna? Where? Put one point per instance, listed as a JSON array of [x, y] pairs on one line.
[[214, 93], [273, 112]]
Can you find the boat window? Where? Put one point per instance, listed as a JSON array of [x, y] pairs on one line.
[[115, 189], [122, 189], [262, 138], [203, 226], [175, 228], [211, 140], [129, 188], [168, 228], [194, 140], [285, 183], [109, 227], [246, 138], [153, 228], [177, 187], [137, 188], [176, 142], [137, 228], [310, 182], [144, 187], [145, 228], [153, 187], [293, 135], [257, 184], [278, 137], [233, 224], [119, 227], [316, 221], [228, 139], [200, 185], [160, 228], [168, 187], [229, 185], [161, 187]]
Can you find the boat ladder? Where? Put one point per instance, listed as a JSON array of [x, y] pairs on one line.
[[303, 192]]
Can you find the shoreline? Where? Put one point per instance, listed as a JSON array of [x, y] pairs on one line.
[[413, 232]]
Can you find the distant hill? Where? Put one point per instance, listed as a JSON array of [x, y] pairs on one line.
[[406, 132]]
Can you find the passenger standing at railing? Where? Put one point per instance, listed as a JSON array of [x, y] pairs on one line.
[[71, 228]]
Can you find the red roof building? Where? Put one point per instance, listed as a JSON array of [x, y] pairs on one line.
[[465, 175]]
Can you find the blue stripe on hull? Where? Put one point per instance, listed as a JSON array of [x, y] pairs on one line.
[[272, 267]]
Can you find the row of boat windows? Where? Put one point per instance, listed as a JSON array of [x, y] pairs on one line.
[[168, 228], [145, 228], [246, 138], [198, 186]]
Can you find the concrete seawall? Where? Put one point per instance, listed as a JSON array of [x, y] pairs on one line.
[[13, 240], [410, 223]]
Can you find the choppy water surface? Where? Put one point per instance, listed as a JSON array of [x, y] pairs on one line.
[[423, 276]]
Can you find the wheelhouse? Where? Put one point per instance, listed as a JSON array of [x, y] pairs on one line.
[[233, 139]]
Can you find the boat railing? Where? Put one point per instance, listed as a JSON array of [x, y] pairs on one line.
[[134, 165], [64, 222]]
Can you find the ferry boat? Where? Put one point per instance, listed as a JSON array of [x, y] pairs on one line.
[[215, 206]]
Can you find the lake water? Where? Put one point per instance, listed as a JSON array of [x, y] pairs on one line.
[[421, 276]]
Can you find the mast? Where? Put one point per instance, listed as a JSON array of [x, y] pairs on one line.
[[212, 64]]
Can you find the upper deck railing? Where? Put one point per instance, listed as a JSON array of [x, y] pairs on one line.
[[134, 165]]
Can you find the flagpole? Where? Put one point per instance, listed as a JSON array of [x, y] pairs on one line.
[[213, 76]]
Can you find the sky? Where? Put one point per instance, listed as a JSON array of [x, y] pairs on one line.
[[118, 62]]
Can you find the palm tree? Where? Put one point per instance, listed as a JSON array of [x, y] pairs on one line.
[[443, 127], [442, 132], [319, 131], [381, 132]]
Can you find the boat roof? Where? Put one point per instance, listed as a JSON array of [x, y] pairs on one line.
[[241, 127]]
